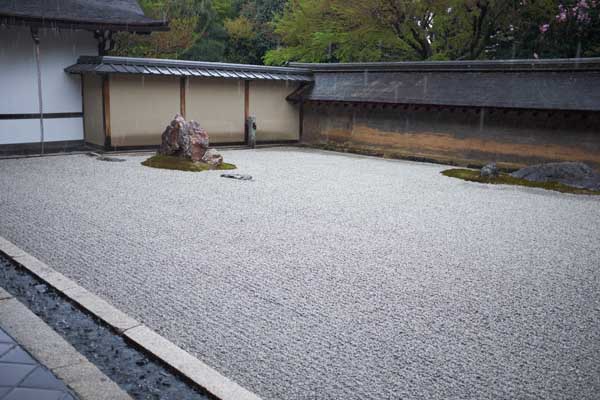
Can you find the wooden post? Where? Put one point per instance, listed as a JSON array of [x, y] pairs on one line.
[[85, 134], [106, 110], [246, 110], [301, 118], [182, 85]]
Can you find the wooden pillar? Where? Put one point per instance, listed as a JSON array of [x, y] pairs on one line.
[[106, 110], [246, 110], [182, 88], [301, 121], [81, 81]]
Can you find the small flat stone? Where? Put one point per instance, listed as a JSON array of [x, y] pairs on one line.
[[240, 177]]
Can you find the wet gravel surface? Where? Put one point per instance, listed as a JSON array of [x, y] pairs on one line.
[[330, 275], [140, 376]]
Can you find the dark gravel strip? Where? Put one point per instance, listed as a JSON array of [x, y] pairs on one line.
[[142, 377]]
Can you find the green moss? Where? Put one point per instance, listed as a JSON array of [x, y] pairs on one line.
[[506, 179], [180, 164]]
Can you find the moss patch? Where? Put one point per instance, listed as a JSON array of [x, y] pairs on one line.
[[505, 179], [179, 164]]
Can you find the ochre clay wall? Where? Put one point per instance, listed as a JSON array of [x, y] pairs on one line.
[[218, 105], [93, 114], [141, 107], [456, 135], [276, 118]]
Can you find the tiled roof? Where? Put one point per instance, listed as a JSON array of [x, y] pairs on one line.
[[528, 84], [557, 64], [149, 66], [116, 14]]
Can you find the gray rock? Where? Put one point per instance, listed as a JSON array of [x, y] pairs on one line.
[[110, 159], [240, 177], [212, 157], [576, 174], [101, 157], [489, 171]]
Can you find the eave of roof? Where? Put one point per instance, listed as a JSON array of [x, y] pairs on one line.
[[138, 27], [565, 64], [123, 15], [151, 66]]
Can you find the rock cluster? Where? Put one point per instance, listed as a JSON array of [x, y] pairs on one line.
[[574, 174], [188, 140]]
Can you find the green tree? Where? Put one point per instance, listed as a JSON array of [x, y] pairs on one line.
[[187, 20], [250, 32], [386, 30], [377, 30]]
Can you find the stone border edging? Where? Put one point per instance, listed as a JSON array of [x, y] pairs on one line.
[[133, 331]]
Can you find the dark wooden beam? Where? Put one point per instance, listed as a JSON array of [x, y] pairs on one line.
[[106, 110], [246, 109], [301, 121], [182, 85]]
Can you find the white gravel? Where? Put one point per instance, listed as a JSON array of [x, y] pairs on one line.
[[331, 276]]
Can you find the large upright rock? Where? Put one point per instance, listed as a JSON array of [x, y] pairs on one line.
[[184, 139]]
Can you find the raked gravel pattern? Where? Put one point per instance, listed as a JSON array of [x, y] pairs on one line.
[[331, 276]]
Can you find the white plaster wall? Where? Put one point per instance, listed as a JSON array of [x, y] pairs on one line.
[[61, 91], [18, 81], [64, 128], [19, 131], [28, 130]]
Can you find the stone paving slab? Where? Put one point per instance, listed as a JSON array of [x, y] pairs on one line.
[[329, 275], [24, 378]]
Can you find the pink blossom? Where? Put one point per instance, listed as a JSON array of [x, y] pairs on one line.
[[583, 17], [544, 28]]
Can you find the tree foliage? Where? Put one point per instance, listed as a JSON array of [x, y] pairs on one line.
[[209, 30], [383, 30], [572, 31], [278, 31]]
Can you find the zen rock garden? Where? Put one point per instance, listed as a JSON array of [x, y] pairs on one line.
[[185, 146]]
